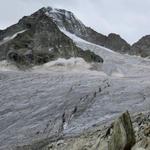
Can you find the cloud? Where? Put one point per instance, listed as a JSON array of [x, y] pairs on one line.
[[129, 18]]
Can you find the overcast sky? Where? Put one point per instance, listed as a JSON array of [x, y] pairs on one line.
[[129, 18]]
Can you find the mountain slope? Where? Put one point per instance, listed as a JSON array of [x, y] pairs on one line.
[[36, 39]]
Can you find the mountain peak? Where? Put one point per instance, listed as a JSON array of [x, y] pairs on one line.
[[66, 20]]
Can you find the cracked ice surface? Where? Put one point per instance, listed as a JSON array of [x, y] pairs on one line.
[[47, 101]]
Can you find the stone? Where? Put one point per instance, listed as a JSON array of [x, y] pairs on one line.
[[123, 137]]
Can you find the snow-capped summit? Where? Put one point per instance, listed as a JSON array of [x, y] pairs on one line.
[[66, 20]]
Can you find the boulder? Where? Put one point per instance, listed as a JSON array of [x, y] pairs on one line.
[[123, 137]]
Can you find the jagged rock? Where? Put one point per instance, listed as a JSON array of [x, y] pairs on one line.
[[123, 137]]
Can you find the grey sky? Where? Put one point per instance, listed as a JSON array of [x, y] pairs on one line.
[[129, 18]]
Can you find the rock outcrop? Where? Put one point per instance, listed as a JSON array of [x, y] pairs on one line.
[[123, 137]]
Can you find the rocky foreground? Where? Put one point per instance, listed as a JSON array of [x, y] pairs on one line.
[[122, 134]]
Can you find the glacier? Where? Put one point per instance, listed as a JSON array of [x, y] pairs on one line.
[[65, 97]]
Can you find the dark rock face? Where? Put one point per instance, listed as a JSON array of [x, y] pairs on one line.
[[115, 42], [142, 47], [123, 137], [39, 40], [95, 37]]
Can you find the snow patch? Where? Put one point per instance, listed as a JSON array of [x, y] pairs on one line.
[[72, 36], [50, 49], [6, 39], [77, 39], [65, 126], [13, 36]]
